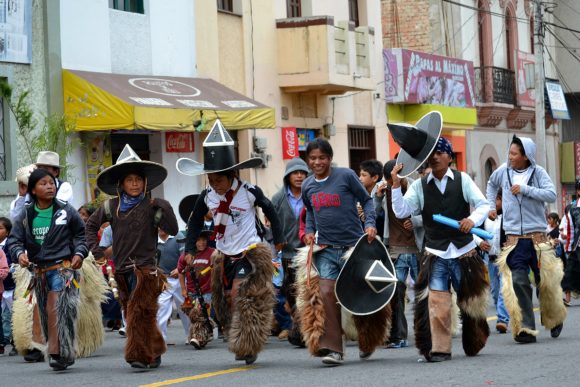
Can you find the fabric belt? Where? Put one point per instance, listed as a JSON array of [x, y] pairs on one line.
[[338, 247], [536, 237]]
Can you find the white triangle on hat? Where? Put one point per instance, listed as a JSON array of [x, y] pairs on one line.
[[218, 136], [127, 154], [378, 277]]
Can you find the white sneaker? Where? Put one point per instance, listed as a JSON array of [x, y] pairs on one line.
[[122, 331], [333, 358]]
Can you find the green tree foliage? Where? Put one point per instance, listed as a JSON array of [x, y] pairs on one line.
[[54, 135]]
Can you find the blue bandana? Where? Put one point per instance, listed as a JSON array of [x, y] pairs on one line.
[[128, 202], [444, 146]]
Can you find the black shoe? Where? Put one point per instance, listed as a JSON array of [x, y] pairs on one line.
[[59, 364], [525, 338], [13, 352], [365, 355], [437, 357], [138, 364], [251, 359], [156, 363], [34, 356], [555, 332]]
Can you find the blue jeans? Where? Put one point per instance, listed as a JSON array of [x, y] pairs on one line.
[[328, 262], [6, 321], [495, 284], [444, 270], [406, 264], [282, 317], [55, 280]]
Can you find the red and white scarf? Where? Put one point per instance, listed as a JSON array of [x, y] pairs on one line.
[[223, 212]]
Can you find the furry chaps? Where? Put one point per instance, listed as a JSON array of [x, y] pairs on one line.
[[254, 305]]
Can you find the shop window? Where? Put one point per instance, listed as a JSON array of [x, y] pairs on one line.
[[135, 6], [225, 5], [353, 12], [304, 137], [361, 146], [294, 8]]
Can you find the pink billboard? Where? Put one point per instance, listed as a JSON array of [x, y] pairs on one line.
[[526, 97], [416, 77]]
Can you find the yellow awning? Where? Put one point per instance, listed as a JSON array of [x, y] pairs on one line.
[[456, 118], [102, 101]]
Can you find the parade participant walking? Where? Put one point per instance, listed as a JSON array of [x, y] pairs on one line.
[[134, 222], [569, 229], [242, 264], [169, 249], [526, 187], [288, 205], [330, 196], [50, 234], [9, 285], [450, 253], [404, 239]]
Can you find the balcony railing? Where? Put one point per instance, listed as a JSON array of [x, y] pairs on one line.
[[495, 84]]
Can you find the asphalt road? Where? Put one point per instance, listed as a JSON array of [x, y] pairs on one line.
[[549, 362]]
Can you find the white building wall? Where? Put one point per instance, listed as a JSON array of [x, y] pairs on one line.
[[498, 36], [130, 42]]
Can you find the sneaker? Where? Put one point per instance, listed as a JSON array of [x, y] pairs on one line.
[[122, 331], [501, 327], [555, 332], [59, 364], [34, 356], [251, 359], [13, 352], [398, 344], [284, 334], [138, 364], [525, 338], [1, 350], [437, 357], [333, 358], [156, 363], [567, 303], [365, 355]]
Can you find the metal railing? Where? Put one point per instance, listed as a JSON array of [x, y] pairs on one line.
[[495, 84]]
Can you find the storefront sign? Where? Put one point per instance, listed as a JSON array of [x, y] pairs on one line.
[[557, 101], [16, 31], [99, 157], [179, 142], [304, 137], [526, 97], [289, 143], [419, 78]]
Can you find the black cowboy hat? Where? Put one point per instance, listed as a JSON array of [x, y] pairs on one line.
[[129, 162], [186, 206], [366, 282], [416, 142], [218, 155]]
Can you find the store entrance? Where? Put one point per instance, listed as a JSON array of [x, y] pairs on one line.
[[139, 143]]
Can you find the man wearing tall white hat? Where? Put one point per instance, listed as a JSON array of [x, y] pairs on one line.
[[51, 162]]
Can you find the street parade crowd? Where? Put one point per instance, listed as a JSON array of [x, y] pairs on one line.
[[329, 258]]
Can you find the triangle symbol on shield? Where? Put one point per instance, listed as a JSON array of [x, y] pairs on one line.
[[378, 277]]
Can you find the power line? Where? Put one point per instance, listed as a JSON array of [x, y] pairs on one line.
[[563, 44], [456, 32]]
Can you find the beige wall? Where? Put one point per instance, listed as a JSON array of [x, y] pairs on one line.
[[260, 68]]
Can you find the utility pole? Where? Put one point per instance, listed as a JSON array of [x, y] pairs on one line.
[[540, 81]]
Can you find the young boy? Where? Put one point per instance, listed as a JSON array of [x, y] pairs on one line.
[[50, 234]]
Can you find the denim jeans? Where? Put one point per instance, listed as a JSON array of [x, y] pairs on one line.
[[406, 264], [444, 270], [7, 315], [495, 284], [55, 280], [282, 317], [328, 262]]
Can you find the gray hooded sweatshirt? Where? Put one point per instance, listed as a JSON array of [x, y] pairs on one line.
[[523, 213]]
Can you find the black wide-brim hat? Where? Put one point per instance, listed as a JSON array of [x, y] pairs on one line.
[[110, 179], [367, 281], [416, 142], [186, 206], [218, 155]]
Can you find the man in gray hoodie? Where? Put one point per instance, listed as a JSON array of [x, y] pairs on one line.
[[288, 205], [526, 188]]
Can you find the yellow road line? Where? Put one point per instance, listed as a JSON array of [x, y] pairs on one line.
[[493, 318], [197, 377]]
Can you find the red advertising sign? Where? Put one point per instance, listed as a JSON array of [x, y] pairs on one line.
[[526, 97], [577, 158], [420, 78], [179, 142], [289, 143]]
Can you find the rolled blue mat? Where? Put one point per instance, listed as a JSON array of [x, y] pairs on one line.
[[455, 224]]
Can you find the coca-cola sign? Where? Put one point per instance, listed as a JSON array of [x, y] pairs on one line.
[[178, 142], [289, 143]]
